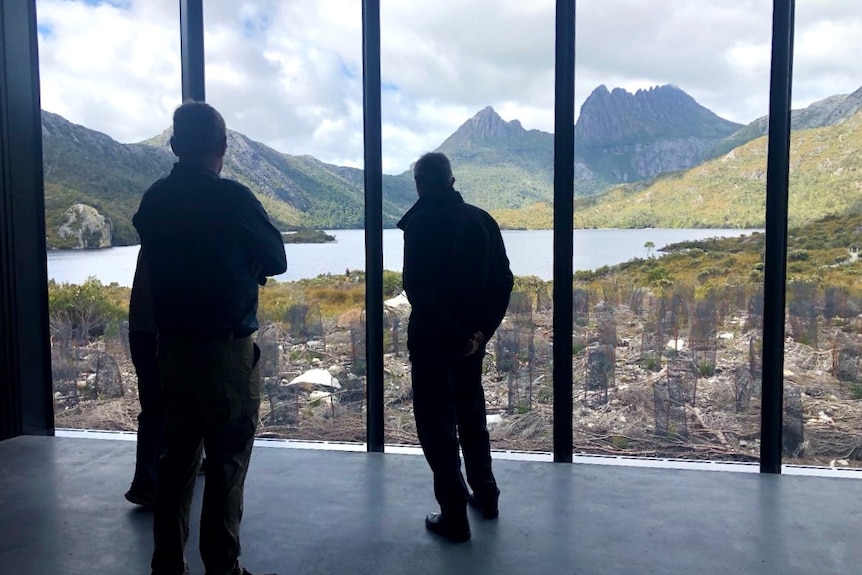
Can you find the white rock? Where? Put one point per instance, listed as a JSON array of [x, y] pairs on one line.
[[399, 303], [493, 419], [319, 396], [676, 344], [316, 377]]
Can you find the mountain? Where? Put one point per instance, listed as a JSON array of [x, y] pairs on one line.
[[827, 112], [500, 164], [86, 167], [619, 137], [625, 137], [301, 191], [83, 166], [730, 191]]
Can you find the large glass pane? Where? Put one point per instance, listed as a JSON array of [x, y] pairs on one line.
[[484, 96], [288, 78], [670, 158], [110, 79], [822, 377]]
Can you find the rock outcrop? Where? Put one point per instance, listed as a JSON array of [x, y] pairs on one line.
[[85, 228], [625, 137]]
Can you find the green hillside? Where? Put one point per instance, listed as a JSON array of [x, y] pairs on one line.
[[83, 166], [730, 191]]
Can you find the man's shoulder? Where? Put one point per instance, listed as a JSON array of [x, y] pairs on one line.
[[234, 187], [479, 214], [157, 185]]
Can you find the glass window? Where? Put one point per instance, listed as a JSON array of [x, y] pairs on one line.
[[484, 96], [822, 377], [669, 205], [288, 78], [110, 79]]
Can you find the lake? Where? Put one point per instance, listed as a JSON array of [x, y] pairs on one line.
[[530, 253]]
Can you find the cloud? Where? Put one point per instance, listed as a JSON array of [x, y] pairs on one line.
[[290, 73]]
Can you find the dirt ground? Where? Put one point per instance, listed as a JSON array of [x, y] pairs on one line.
[[632, 411]]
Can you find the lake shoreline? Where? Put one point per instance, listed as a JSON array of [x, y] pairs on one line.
[[530, 253]]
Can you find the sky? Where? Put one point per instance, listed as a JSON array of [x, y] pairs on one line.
[[288, 73]]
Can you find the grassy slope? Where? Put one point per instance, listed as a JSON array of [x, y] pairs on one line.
[[730, 191]]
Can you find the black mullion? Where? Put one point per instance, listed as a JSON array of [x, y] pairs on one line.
[[564, 174], [372, 122], [775, 273]]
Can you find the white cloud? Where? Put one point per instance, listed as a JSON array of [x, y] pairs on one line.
[[289, 73]]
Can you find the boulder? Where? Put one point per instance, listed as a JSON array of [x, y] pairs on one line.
[[85, 228]]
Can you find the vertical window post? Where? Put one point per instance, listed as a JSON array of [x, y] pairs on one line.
[[26, 394], [775, 272], [564, 178], [192, 49], [371, 109]]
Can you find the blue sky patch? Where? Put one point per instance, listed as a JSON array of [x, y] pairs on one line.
[[347, 70], [45, 30], [255, 25]]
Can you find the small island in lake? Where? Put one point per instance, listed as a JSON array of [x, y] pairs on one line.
[[307, 237]]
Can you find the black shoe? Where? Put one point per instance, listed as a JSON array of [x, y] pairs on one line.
[[146, 498], [488, 509], [456, 531]]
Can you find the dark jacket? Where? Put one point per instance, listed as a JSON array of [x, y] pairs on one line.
[[456, 274], [207, 243], [141, 300]]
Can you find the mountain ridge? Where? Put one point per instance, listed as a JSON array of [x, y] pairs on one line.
[[635, 138]]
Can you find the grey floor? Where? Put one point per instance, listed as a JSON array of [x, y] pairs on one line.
[[62, 512]]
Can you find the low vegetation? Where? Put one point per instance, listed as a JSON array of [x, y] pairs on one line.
[[625, 366]]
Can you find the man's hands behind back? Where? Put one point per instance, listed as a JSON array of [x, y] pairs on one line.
[[473, 344]]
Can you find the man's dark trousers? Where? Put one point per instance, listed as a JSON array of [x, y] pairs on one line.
[[212, 398], [448, 396], [143, 346]]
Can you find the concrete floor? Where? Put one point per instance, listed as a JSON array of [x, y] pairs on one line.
[[62, 512]]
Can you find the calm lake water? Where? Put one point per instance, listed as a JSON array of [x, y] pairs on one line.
[[530, 253]]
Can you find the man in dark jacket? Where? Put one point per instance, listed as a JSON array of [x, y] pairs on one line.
[[143, 344], [207, 243], [457, 278]]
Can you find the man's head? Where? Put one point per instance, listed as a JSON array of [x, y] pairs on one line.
[[433, 174], [199, 135]]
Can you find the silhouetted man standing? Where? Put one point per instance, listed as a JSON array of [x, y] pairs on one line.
[[207, 243], [457, 278], [143, 344]]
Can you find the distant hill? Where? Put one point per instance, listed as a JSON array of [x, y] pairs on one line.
[[301, 191], [619, 137], [500, 164], [83, 166], [624, 137], [730, 191], [827, 112], [649, 141]]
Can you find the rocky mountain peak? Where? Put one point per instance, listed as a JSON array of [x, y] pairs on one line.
[[488, 125], [619, 117]]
